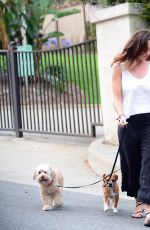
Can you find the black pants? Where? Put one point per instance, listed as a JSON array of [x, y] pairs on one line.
[[135, 157]]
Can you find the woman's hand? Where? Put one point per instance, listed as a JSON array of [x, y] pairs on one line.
[[122, 120]]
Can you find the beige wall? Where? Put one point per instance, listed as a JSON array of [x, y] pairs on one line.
[[72, 26]]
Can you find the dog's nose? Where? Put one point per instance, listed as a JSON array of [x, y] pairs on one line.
[[42, 177], [110, 185]]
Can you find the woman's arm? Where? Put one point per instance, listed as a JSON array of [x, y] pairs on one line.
[[117, 93], [117, 89]]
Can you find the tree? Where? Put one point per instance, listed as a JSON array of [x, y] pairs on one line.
[[28, 15]]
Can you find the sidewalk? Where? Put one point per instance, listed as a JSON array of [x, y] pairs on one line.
[[81, 160], [19, 157]]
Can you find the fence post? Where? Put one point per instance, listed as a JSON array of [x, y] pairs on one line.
[[93, 130], [15, 94]]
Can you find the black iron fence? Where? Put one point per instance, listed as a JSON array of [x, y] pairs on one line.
[[55, 91]]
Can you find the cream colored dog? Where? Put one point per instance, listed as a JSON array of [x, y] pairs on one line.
[[49, 179]]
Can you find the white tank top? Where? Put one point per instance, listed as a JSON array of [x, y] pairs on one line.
[[136, 93]]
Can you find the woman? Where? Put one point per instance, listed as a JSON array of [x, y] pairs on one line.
[[131, 95]]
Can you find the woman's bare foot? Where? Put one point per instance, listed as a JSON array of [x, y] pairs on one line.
[[138, 210], [147, 218]]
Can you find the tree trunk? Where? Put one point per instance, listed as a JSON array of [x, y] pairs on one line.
[[3, 36]]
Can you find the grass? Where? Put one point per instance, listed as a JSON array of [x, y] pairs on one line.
[[80, 69]]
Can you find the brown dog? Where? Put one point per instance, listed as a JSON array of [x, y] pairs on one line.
[[110, 192]]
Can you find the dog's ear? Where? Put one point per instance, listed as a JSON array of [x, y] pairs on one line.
[[34, 175], [116, 177], [104, 175], [52, 172]]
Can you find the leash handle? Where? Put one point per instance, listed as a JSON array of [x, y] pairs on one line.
[[117, 153]]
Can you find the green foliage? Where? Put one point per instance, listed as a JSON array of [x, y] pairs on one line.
[[146, 13], [115, 2], [58, 14], [72, 68], [3, 65], [29, 15], [54, 76], [12, 18], [34, 17], [92, 2]]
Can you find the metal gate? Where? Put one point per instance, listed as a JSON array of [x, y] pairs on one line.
[[55, 91]]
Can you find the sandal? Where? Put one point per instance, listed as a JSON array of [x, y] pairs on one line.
[[147, 220], [138, 215]]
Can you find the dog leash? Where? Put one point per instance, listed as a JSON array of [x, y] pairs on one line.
[[82, 186], [112, 171]]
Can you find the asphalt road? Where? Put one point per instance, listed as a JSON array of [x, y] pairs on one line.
[[21, 209]]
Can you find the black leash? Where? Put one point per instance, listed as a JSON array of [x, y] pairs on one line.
[[112, 171], [81, 186]]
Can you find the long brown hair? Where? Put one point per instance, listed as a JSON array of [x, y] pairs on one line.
[[137, 44]]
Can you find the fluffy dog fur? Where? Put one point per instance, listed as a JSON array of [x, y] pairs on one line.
[[110, 192], [49, 179]]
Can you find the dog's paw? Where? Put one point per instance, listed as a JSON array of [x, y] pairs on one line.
[[106, 209], [47, 208], [115, 210], [57, 205]]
